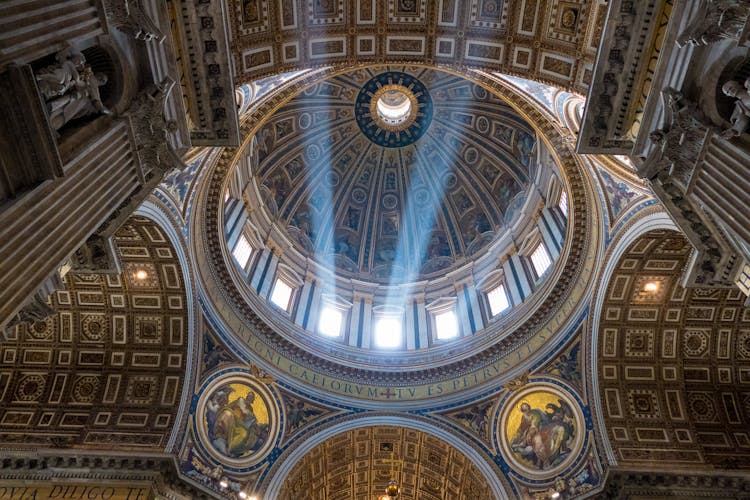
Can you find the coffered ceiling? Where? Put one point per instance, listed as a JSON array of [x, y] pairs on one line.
[[357, 465], [553, 41], [107, 370], [674, 362]]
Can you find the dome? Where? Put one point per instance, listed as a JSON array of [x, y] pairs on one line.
[[393, 208], [394, 174]]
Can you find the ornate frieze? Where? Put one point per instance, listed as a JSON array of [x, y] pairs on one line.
[[201, 36], [632, 36], [622, 484], [60, 474]]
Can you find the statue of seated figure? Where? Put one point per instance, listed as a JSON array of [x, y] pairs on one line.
[[740, 118]]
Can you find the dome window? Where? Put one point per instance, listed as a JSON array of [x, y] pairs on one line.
[[282, 294], [498, 300], [242, 251], [446, 325], [563, 203], [394, 106], [388, 332], [540, 259], [330, 322]]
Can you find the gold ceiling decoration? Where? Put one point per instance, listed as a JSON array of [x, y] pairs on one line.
[[358, 465], [553, 41], [674, 362], [107, 370]]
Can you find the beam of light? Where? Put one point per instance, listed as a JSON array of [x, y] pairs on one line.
[[414, 237], [249, 94], [320, 198]]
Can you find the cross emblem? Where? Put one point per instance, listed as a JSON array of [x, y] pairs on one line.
[[388, 393]]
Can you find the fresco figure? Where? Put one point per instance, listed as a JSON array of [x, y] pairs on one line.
[[523, 148], [233, 427], [543, 436]]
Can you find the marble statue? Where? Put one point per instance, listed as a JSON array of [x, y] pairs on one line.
[[57, 79], [82, 100], [716, 20], [70, 89], [740, 118], [678, 144]]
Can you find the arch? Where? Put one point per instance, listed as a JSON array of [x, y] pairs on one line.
[[287, 462], [672, 362], [648, 222], [152, 211], [105, 371]]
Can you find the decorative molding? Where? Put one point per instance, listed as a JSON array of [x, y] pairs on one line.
[[622, 484], [201, 34], [623, 54], [129, 17]]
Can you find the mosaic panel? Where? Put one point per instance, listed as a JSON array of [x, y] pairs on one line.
[[237, 420], [541, 430]]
